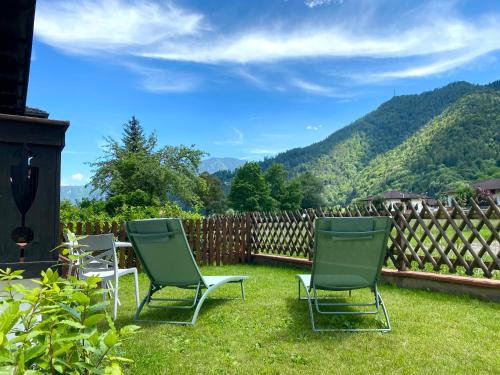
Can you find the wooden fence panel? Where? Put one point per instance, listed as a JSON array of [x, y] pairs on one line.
[[444, 239]]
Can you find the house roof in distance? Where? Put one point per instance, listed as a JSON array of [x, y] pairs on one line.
[[493, 184], [16, 30], [396, 195]]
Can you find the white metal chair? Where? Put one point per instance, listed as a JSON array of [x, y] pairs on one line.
[[99, 259]]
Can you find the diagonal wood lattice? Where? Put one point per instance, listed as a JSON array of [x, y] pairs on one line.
[[446, 239]]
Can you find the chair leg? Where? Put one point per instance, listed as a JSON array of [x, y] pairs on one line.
[[242, 290], [115, 299], [136, 284]]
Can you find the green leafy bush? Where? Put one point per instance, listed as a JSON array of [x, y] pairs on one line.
[[58, 328], [120, 208]]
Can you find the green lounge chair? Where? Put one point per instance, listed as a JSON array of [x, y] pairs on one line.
[[162, 248], [348, 255]]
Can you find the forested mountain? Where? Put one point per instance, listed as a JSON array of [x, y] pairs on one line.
[[463, 143], [455, 127]]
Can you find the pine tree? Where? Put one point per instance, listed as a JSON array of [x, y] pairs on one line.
[[133, 136]]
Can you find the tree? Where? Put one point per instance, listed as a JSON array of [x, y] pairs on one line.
[[133, 138], [293, 197], [249, 190], [287, 196], [276, 176], [212, 195], [137, 164], [312, 189]]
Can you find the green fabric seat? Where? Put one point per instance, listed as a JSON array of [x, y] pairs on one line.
[[162, 248], [348, 255]]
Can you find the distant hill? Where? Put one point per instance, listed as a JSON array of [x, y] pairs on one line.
[[77, 193], [461, 144], [447, 124], [212, 165]]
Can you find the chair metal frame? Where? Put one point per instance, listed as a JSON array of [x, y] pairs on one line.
[[155, 286], [315, 303]]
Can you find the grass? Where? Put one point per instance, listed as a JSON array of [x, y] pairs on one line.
[[269, 333]]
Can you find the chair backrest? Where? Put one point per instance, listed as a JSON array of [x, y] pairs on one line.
[[164, 252], [98, 251], [349, 252]]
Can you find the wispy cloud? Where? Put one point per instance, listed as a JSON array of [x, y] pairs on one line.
[[433, 34], [322, 90], [263, 151], [236, 140], [318, 3], [165, 80], [331, 41], [438, 66], [314, 127], [90, 26]]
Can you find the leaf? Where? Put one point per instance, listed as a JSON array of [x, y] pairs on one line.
[[5, 355], [100, 306], [81, 298], [9, 317], [75, 314], [127, 330], [114, 369], [92, 320], [34, 351], [121, 359], [72, 323], [111, 339]]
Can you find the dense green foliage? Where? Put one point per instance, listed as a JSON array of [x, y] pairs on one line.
[[339, 159], [59, 327], [120, 208], [250, 190], [136, 163], [253, 190], [286, 195], [462, 144], [212, 195], [312, 190]]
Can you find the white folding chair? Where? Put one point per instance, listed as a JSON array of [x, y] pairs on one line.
[[99, 259]]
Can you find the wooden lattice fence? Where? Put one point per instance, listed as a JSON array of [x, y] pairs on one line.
[[214, 241], [452, 239], [446, 238]]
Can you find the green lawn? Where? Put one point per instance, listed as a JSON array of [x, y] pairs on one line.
[[269, 333]]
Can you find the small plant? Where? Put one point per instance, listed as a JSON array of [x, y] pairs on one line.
[[58, 327]]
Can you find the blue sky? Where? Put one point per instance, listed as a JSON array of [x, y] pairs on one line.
[[245, 79]]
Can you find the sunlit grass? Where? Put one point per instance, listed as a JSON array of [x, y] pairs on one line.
[[269, 333]]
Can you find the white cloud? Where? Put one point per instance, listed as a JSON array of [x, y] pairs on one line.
[[237, 140], [431, 68], [318, 3], [433, 34], [263, 151], [314, 127], [441, 35], [89, 26], [77, 177]]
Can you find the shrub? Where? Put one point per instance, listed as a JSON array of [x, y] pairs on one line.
[[58, 328]]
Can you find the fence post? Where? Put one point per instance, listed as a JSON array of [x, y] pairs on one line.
[[401, 265], [248, 234]]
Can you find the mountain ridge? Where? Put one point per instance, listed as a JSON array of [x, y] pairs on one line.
[[339, 158]]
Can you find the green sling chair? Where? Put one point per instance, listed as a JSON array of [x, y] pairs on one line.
[[162, 248], [348, 255]]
